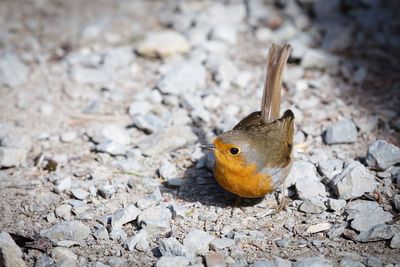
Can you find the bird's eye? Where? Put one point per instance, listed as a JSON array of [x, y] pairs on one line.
[[234, 150]]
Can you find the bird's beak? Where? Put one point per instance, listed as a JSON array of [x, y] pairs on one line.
[[208, 146]]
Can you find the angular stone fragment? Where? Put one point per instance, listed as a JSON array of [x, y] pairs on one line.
[[353, 181], [197, 241], [155, 220], [123, 216], [344, 131], [382, 155], [378, 232], [10, 253], [73, 230], [365, 214]]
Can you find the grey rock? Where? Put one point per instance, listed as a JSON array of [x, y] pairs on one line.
[[63, 211], [79, 193], [73, 230], [313, 262], [347, 262], [172, 261], [337, 230], [279, 262], [171, 247], [101, 233], [155, 220], [148, 122], [330, 168], [299, 170], [282, 243], [365, 214], [13, 71], [344, 131], [215, 259], [112, 133], [118, 234], [313, 205], [138, 241], [337, 38], [99, 264], [396, 201], [395, 242], [60, 254], [353, 181], [112, 148], [382, 155], [10, 253], [318, 59], [11, 157], [107, 191], [168, 170], [123, 216], [163, 44], [378, 232], [224, 32], [221, 243], [264, 263], [140, 107], [117, 262], [68, 137], [119, 57], [63, 185], [374, 262], [15, 140], [44, 261], [185, 77], [308, 187], [197, 241], [167, 140], [336, 204]]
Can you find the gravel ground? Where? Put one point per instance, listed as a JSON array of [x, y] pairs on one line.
[[104, 104]]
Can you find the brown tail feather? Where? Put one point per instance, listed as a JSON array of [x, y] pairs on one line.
[[271, 101]]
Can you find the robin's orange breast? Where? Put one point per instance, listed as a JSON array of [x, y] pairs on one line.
[[240, 178]]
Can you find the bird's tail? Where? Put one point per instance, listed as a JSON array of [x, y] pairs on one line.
[[271, 101]]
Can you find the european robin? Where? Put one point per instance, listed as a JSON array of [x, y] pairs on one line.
[[255, 157]]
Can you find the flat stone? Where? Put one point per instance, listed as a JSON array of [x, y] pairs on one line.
[[221, 243], [318, 59], [344, 131], [138, 241], [353, 181], [308, 187], [365, 214], [373, 261], [73, 230], [336, 204], [313, 205], [395, 242], [182, 78], [148, 122], [320, 227], [197, 241], [172, 247], [313, 262], [347, 262], [101, 233], [163, 44], [167, 140], [155, 220], [11, 157], [79, 193], [378, 232], [10, 253], [68, 137], [172, 261], [279, 262], [382, 155], [123, 216], [13, 72], [112, 148], [113, 133]]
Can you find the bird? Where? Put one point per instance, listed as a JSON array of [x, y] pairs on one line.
[[255, 157]]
